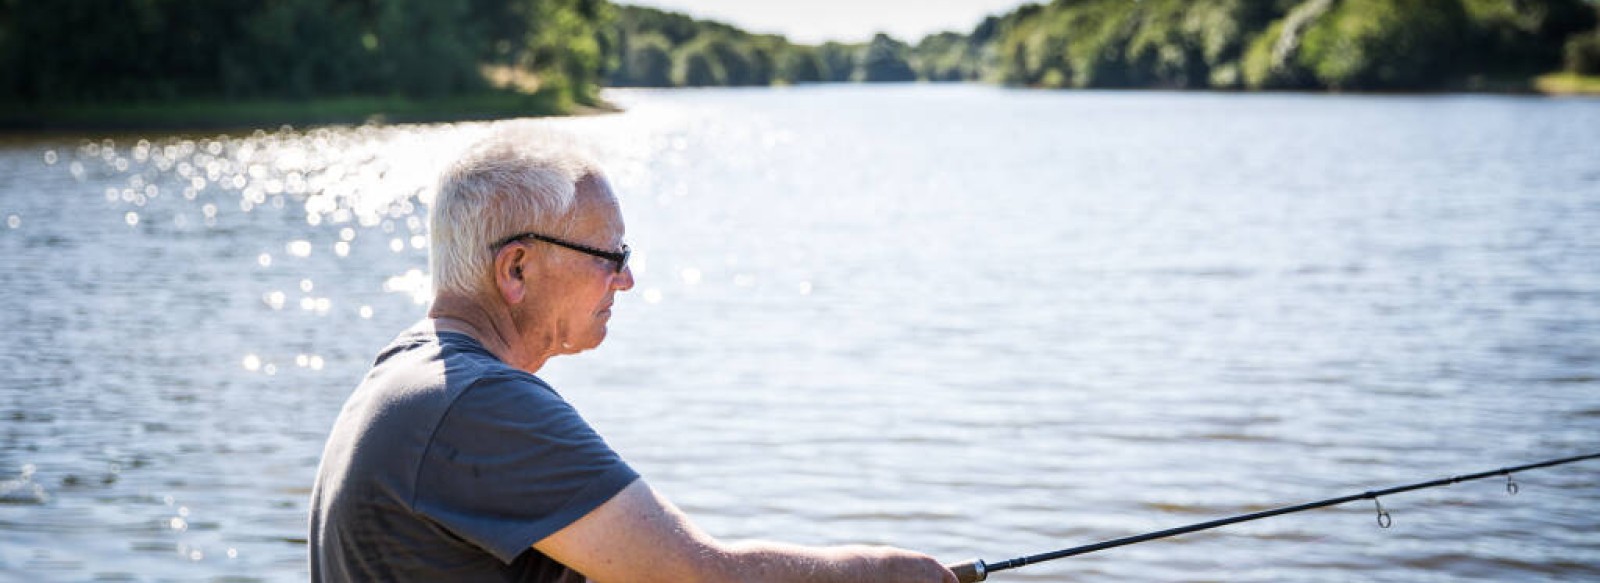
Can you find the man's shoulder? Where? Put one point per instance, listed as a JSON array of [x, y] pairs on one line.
[[422, 371], [452, 355], [423, 380], [469, 365], [463, 368]]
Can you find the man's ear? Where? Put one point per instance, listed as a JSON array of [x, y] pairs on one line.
[[510, 277]]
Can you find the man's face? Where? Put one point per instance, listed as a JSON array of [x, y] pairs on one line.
[[578, 290]]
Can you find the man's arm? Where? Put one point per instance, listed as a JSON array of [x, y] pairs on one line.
[[640, 536]]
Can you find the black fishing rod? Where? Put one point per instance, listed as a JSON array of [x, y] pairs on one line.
[[978, 570]]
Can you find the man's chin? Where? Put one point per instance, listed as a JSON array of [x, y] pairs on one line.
[[590, 342]]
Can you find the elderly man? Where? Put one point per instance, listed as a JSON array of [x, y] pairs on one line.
[[453, 462]]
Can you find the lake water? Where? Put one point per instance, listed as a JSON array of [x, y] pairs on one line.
[[965, 320]]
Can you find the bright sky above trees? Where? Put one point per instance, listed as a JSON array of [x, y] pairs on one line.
[[815, 21]]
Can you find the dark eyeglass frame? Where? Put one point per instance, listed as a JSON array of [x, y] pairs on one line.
[[619, 258]]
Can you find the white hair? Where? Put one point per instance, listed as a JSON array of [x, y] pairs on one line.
[[513, 182]]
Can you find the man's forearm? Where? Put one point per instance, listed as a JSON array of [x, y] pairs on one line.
[[639, 536]]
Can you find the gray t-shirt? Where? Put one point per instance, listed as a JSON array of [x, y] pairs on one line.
[[446, 464]]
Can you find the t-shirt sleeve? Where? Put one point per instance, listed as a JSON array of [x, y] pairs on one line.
[[511, 463]]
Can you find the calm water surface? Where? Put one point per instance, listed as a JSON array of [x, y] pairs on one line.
[[970, 321]]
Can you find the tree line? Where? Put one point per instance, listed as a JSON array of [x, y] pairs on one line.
[[99, 51], [666, 49], [1179, 44], [1275, 44]]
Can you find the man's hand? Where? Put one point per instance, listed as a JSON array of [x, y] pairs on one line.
[[892, 565]]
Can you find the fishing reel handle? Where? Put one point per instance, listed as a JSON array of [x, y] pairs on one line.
[[971, 571]]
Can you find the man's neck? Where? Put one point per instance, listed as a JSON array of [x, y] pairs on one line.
[[493, 328]]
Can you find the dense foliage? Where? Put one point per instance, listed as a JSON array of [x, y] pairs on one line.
[[1583, 54], [1223, 44], [1268, 44], [667, 49], [96, 51], [151, 51]]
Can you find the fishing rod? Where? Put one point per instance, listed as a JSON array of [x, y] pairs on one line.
[[979, 570]]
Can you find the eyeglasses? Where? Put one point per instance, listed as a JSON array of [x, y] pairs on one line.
[[619, 258]]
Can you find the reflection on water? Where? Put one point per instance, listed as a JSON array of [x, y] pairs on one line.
[[965, 320]]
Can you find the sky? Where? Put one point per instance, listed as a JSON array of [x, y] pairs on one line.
[[816, 21]]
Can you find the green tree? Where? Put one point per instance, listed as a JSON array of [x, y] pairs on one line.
[[1583, 54], [424, 47], [1385, 44], [299, 49], [648, 61], [1283, 44], [1523, 37], [568, 46], [93, 51], [800, 65], [90, 51], [1273, 60], [885, 61], [732, 63], [839, 61], [945, 56], [763, 62], [731, 56], [697, 66]]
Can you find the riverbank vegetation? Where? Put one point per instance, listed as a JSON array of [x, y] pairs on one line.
[[665, 49], [1363, 45], [1309, 45], [201, 62]]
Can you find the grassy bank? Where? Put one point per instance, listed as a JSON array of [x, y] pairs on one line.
[[225, 114], [1568, 84]]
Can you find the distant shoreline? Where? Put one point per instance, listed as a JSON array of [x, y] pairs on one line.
[[213, 114], [221, 114]]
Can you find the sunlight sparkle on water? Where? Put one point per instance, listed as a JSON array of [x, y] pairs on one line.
[[23, 490], [413, 282], [348, 184]]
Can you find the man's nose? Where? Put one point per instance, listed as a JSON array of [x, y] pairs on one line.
[[623, 281]]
